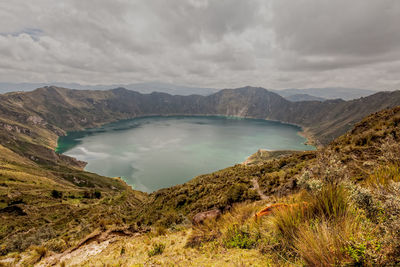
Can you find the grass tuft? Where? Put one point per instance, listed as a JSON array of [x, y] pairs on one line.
[[157, 249], [384, 176]]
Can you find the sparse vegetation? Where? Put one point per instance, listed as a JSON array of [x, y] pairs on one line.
[[157, 249], [240, 237]]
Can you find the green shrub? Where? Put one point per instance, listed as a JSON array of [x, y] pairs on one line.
[[236, 192], [97, 194], [357, 252], [86, 194], [157, 249], [240, 237], [56, 193], [92, 194]]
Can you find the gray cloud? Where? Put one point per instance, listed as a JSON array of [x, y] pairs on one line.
[[333, 34], [218, 43]]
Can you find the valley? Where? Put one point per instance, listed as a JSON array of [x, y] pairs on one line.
[[50, 205]]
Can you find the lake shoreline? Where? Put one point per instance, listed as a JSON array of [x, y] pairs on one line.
[[230, 139], [304, 131]]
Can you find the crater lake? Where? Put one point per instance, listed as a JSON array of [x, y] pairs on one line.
[[157, 152]]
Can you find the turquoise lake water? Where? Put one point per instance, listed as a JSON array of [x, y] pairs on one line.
[[156, 152]]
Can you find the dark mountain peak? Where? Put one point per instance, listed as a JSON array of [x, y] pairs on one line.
[[248, 90], [51, 89], [252, 89], [120, 89]]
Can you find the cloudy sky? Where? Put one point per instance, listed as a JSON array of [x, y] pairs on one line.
[[209, 43]]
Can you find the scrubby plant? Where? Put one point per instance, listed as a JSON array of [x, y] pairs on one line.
[[92, 194], [201, 235], [56, 245], [240, 237], [331, 203], [160, 230], [327, 230], [236, 192], [384, 176], [326, 243], [287, 222], [309, 183], [36, 254], [56, 194], [97, 194], [241, 214], [157, 249]]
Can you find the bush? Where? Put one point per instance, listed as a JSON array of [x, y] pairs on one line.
[[157, 249], [97, 194], [240, 237], [92, 194], [56, 193], [235, 193]]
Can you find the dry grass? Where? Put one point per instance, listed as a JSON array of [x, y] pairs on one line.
[[329, 231], [384, 176], [226, 225], [324, 244]]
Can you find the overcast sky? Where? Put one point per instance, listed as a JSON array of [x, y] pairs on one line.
[[208, 43]]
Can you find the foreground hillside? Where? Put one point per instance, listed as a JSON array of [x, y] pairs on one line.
[[52, 211]]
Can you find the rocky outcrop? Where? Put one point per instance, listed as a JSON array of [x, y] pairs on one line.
[[15, 128], [35, 120], [200, 217]]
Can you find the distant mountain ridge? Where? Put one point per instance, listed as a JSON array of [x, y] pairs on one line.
[[309, 94], [145, 87], [303, 97], [69, 109], [328, 92]]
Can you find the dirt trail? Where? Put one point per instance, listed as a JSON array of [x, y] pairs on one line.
[[257, 187], [92, 245]]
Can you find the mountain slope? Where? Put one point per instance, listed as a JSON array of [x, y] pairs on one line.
[[75, 109]]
